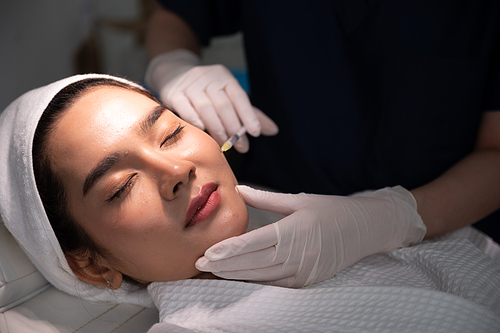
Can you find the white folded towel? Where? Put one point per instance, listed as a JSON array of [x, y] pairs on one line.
[[21, 207]]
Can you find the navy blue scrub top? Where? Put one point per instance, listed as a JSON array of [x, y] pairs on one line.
[[366, 93]]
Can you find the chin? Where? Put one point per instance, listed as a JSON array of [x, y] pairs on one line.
[[236, 222], [232, 219]]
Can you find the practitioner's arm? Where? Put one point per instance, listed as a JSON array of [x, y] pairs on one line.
[[208, 97], [470, 190], [167, 32]]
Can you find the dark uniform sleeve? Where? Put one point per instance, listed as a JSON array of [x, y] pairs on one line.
[[208, 18], [492, 98]]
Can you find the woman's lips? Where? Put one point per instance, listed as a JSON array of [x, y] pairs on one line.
[[203, 205]]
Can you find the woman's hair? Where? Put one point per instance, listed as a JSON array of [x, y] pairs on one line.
[[72, 237]]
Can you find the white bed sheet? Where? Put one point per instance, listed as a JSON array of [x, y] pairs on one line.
[[444, 285]]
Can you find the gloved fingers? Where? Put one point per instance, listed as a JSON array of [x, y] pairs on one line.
[[268, 126], [203, 105], [242, 145], [225, 109], [194, 75], [253, 260], [284, 204], [252, 241], [182, 106], [243, 107], [227, 115]]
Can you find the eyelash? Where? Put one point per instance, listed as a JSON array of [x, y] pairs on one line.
[[172, 136], [122, 189]]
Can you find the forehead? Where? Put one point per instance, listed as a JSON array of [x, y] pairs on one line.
[[109, 102], [99, 119], [104, 110]]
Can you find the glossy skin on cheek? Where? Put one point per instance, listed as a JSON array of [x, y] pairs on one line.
[[157, 175]]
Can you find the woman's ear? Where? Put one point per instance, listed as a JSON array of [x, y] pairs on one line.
[[96, 272]]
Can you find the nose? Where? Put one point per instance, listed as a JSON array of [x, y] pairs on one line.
[[173, 176]]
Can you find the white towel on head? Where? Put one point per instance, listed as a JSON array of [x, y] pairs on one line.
[[21, 206]]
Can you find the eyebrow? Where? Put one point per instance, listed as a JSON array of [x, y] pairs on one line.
[[112, 159], [148, 122]]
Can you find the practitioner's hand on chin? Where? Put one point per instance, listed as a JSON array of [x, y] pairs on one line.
[[320, 236]]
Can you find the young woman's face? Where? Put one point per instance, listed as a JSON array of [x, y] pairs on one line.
[[148, 187]]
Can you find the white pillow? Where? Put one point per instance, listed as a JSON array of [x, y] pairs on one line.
[[19, 279]]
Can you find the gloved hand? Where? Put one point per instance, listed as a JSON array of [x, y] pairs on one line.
[[207, 97], [320, 236]]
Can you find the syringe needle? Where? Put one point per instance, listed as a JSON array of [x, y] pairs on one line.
[[232, 140]]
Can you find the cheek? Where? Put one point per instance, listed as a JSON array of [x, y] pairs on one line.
[[232, 221], [239, 215], [139, 208], [126, 229], [203, 145], [235, 223]]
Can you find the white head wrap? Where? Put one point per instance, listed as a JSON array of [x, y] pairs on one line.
[[20, 204]]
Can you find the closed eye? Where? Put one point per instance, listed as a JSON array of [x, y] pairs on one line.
[[172, 137], [169, 139], [123, 189]]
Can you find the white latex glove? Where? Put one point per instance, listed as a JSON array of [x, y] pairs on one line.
[[209, 97], [321, 236]]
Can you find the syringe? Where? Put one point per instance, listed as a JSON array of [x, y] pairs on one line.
[[232, 140]]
